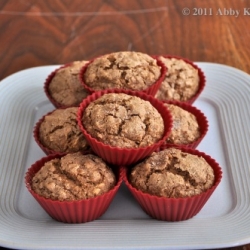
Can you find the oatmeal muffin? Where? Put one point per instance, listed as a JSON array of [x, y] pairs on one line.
[[74, 187], [124, 121], [123, 126], [173, 184], [172, 173], [123, 70], [58, 131], [181, 82], [64, 87], [73, 177], [185, 128]]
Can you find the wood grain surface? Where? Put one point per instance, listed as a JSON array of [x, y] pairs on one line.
[[47, 32]]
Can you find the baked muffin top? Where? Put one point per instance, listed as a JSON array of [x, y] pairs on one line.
[[73, 177], [127, 70], [181, 82], [66, 87], [172, 173], [185, 127], [59, 131], [123, 120]]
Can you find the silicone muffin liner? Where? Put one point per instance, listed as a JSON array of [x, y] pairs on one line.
[[201, 119], [202, 82], [80, 211], [124, 156], [175, 209], [46, 87], [36, 136], [150, 90]]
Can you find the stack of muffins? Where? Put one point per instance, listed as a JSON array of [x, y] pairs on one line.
[[125, 116]]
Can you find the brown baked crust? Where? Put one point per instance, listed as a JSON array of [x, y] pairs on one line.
[[127, 70], [185, 127], [73, 177], [172, 173], [181, 82], [124, 121], [66, 87], [59, 131]]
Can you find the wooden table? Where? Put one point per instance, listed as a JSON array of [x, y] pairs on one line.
[[35, 33]]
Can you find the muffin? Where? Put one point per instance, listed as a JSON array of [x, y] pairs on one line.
[[123, 126], [73, 177], [124, 70], [58, 132], [183, 82], [63, 87], [190, 125], [173, 184], [172, 173], [74, 187], [123, 121]]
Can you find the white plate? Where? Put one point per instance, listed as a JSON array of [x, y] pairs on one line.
[[223, 222]]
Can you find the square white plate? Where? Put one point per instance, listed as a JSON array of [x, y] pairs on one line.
[[224, 221]]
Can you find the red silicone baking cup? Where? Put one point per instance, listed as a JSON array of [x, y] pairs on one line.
[[46, 87], [124, 156], [72, 211], [36, 136], [201, 119], [175, 209], [202, 82], [150, 90]]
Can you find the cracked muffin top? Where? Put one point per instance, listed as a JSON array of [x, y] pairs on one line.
[[172, 173], [123, 121], [185, 126], [181, 82], [128, 70], [73, 177], [65, 87], [59, 131]]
